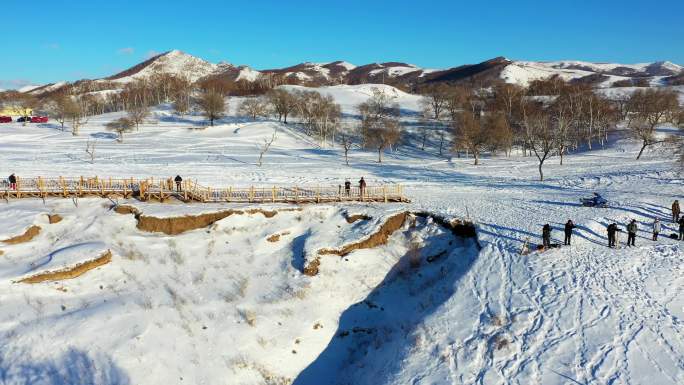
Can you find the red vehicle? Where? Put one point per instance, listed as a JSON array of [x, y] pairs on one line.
[[5, 119], [39, 119]]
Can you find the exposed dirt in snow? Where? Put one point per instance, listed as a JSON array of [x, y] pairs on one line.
[[54, 218], [178, 225], [27, 236], [70, 272], [378, 238], [351, 218]]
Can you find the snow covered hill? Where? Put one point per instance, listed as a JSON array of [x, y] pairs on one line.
[[523, 72]]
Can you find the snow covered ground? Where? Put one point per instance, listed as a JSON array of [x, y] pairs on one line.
[[223, 304]]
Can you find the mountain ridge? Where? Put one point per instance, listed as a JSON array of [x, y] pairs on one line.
[[401, 74]]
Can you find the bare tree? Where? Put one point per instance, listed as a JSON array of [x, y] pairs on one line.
[[90, 150], [265, 147], [500, 132], [137, 114], [26, 104], [253, 107], [471, 134], [347, 140], [213, 105], [59, 108], [282, 102], [120, 126], [382, 133], [648, 108], [457, 98], [434, 100], [563, 115], [378, 108], [76, 116], [539, 135]]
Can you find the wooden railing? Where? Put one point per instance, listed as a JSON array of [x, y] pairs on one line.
[[162, 189]]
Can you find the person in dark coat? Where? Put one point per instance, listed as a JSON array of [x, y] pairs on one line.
[[179, 183], [546, 236], [675, 211], [612, 230], [347, 187], [569, 226], [362, 187], [631, 232], [681, 229], [12, 182]]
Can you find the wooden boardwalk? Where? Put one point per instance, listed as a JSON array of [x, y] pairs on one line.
[[191, 191]]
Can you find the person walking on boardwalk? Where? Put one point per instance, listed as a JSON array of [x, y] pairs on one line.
[[612, 230], [179, 183], [347, 187], [656, 229], [546, 236], [675, 211], [362, 187], [631, 232], [569, 226], [12, 182]]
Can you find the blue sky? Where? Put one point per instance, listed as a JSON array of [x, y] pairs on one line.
[[74, 39]]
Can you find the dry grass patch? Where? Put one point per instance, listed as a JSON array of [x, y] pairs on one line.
[[54, 218], [125, 210], [356, 217], [378, 238], [70, 272], [178, 225], [28, 235]]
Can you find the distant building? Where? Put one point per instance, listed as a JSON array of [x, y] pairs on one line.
[[15, 111]]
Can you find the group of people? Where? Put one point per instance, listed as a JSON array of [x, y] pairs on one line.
[[362, 187], [612, 230]]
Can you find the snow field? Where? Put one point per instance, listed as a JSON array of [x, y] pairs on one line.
[[580, 314]]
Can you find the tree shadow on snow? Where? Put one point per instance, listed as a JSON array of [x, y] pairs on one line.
[[375, 335], [72, 367]]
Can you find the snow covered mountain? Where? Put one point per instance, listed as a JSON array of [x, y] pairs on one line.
[[402, 75], [605, 74], [182, 64]]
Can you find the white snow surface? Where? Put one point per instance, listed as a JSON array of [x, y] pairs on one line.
[[223, 305]]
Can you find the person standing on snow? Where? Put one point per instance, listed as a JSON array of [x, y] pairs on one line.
[[681, 229], [179, 182], [631, 232], [569, 226], [546, 236], [675, 211], [362, 187], [347, 187], [12, 182], [656, 229], [612, 230]]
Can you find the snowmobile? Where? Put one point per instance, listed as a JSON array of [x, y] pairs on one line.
[[596, 201]]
